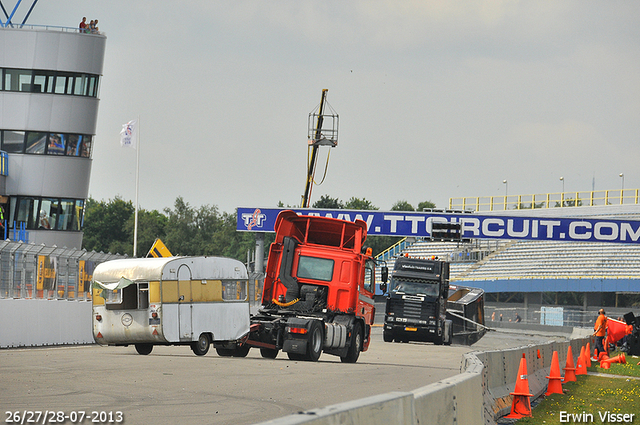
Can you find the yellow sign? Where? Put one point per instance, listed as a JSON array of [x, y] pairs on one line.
[[46, 273], [158, 249]]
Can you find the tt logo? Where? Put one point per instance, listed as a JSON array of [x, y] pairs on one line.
[[253, 220]]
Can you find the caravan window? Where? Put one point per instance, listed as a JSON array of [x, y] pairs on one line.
[[234, 290], [132, 297], [112, 297]]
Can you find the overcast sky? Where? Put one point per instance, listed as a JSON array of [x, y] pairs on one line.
[[436, 99]]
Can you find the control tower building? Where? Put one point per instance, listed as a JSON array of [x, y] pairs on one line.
[[49, 96]]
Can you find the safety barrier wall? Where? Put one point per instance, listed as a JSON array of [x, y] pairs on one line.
[[45, 294], [501, 370], [44, 322], [479, 395]]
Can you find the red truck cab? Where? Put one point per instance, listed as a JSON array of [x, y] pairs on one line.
[[317, 272]]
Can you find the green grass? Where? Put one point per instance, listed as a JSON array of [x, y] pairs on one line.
[[593, 394], [629, 369]]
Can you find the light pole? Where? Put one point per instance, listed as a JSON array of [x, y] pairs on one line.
[[506, 192], [562, 194], [562, 180], [621, 187]]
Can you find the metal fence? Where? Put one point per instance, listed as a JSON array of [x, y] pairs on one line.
[[32, 271], [551, 315], [546, 200]]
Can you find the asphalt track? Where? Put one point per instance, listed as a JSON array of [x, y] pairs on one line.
[[172, 385]]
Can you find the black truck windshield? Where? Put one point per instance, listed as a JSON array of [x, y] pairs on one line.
[[414, 287]]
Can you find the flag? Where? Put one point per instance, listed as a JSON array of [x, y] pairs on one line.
[[129, 134]]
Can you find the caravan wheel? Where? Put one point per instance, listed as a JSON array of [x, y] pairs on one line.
[[201, 346], [144, 349]]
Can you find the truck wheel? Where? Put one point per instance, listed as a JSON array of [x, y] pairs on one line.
[[355, 346], [144, 349], [269, 353], [296, 356], [225, 352], [201, 346], [241, 351], [387, 336], [450, 336], [314, 343]]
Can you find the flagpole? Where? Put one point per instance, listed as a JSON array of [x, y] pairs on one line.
[[135, 225]]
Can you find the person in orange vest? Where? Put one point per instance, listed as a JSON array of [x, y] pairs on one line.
[[600, 330]]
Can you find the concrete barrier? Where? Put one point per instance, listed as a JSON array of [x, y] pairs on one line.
[[501, 372], [451, 401], [479, 395], [44, 322], [384, 409]]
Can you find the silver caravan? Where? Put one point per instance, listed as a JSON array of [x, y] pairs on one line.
[[192, 301]]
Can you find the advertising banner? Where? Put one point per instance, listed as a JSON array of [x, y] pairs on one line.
[[418, 224]]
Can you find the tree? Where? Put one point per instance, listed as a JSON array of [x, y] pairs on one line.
[[151, 225], [402, 206], [105, 226], [522, 206], [425, 205], [569, 202], [205, 231], [359, 204], [326, 202], [181, 229]]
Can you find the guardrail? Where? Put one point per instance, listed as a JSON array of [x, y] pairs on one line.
[[16, 26], [546, 200], [480, 394], [393, 250]]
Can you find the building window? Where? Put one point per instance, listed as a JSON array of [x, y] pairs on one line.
[[12, 141], [36, 142], [46, 143], [56, 145], [46, 81], [86, 146], [46, 213]]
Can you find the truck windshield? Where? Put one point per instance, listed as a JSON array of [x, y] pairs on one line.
[[414, 287], [315, 268]]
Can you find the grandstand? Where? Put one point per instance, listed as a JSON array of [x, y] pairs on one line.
[[556, 260]]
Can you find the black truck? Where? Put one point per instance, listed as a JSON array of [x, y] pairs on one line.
[[422, 306]]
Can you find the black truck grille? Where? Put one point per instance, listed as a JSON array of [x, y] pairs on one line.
[[413, 310]]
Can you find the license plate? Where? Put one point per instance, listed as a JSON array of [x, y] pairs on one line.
[[407, 328]]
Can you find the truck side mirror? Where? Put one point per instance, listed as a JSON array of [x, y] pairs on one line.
[[384, 272]]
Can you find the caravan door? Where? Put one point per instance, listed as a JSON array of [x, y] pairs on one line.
[[185, 303]]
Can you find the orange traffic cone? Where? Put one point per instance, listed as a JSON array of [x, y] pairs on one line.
[[555, 380], [581, 368], [617, 359], [569, 369], [602, 356], [521, 405], [587, 356], [595, 355]]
